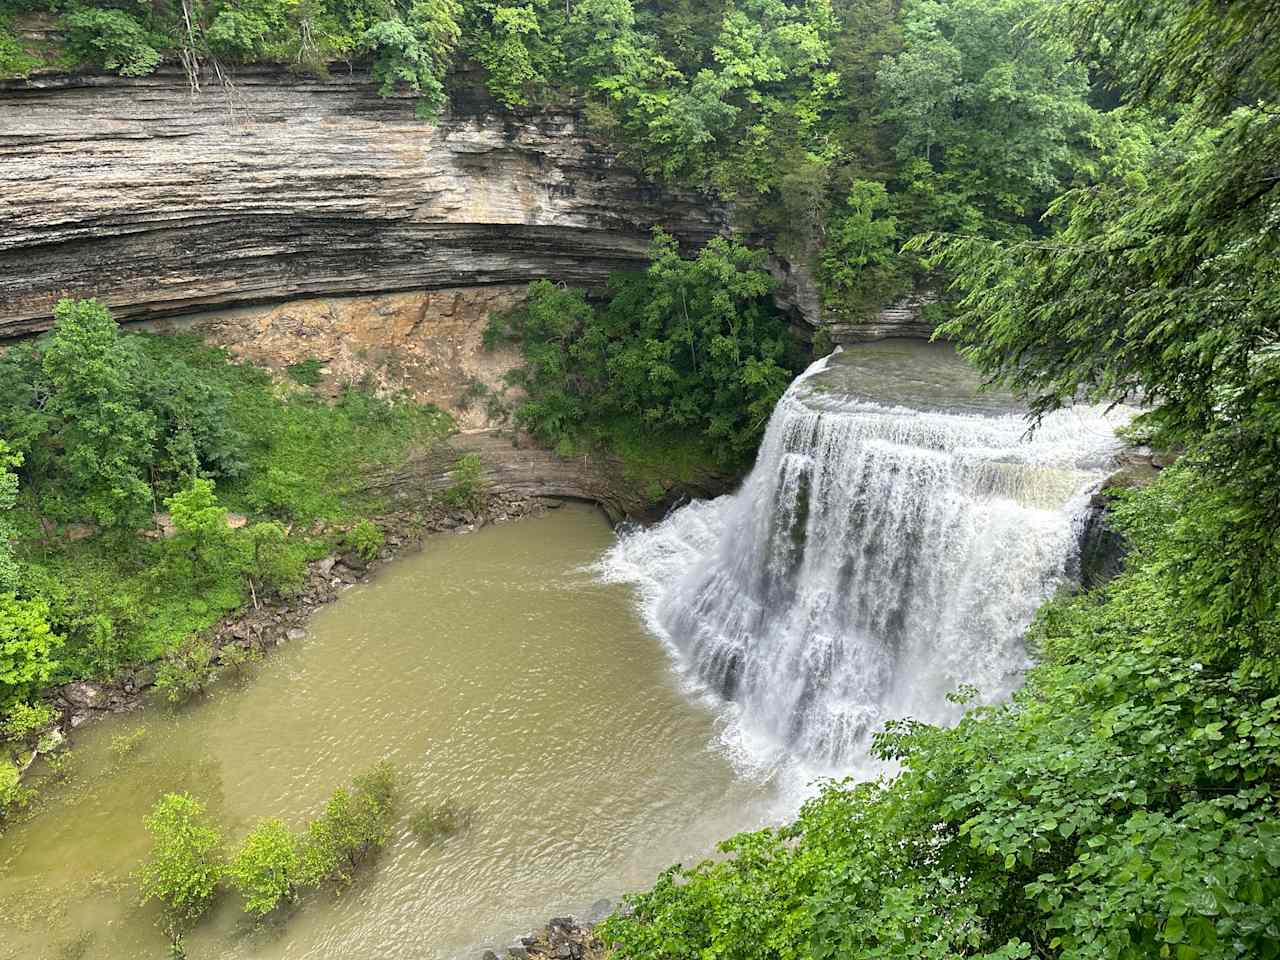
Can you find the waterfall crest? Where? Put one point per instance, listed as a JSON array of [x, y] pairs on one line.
[[878, 556]]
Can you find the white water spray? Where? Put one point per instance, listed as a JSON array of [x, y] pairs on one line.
[[877, 557]]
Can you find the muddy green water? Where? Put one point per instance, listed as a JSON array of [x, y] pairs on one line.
[[491, 668]]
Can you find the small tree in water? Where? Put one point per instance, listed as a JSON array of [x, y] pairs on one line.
[[265, 867], [186, 863]]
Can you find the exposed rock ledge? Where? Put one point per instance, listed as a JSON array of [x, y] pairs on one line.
[[162, 203]]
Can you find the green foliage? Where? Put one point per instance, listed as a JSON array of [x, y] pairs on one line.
[[274, 561], [265, 866], [28, 647], [9, 573], [187, 671], [203, 547], [692, 346], [126, 744], [13, 794], [354, 823], [366, 539], [186, 863], [112, 39], [859, 260], [508, 41], [413, 49], [97, 422], [469, 483], [991, 110], [15, 61], [27, 721], [306, 372]]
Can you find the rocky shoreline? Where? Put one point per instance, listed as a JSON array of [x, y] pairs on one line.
[[563, 938], [277, 620]]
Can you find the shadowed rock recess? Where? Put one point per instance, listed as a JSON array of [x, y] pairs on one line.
[[162, 202]]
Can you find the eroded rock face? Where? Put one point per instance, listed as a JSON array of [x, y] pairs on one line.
[[160, 202], [426, 342]]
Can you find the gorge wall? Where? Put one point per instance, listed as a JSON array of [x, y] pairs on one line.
[[164, 202], [293, 218]]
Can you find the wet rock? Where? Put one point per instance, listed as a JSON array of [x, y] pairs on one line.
[[83, 695], [295, 633]]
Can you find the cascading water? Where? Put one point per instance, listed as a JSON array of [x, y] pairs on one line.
[[881, 553]]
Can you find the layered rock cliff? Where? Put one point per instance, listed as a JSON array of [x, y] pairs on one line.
[[161, 202]]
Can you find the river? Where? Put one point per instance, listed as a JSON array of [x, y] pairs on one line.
[[491, 668]]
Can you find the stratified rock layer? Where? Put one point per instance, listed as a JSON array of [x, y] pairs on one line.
[[160, 202]]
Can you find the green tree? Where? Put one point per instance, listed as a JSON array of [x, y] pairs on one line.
[[354, 823], [113, 39], [28, 647], [413, 48], [693, 345], [507, 40], [203, 546], [992, 114], [264, 868], [104, 435], [186, 862], [9, 460], [859, 259]]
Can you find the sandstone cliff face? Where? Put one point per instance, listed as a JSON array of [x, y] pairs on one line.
[[161, 202]]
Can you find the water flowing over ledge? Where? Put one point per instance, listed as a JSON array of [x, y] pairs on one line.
[[893, 541]]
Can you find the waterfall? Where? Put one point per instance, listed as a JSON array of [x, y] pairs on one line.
[[880, 554]]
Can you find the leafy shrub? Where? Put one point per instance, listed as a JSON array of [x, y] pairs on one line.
[[365, 538], [235, 657], [308, 372], [859, 265], [204, 549], [413, 49], [354, 822], [274, 561], [28, 647], [13, 794], [264, 868], [112, 39], [125, 744], [187, 671], [15, 61], [469, 484], [27, 721], [186, 863]]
